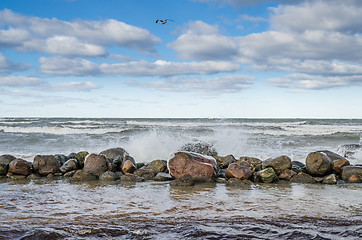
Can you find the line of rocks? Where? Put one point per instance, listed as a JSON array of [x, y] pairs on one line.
[[191, 164]]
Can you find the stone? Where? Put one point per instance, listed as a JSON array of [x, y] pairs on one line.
[[183, 181], [20, 167], [158, 166], [222, 180], [332, 156], [252, 160], [81, 175], [46, 164], [338, 164], [95, 164], [33, 176], [131, 178], [70, 165], [198, 166], [354, 179], [303, 178], [114, 153], [235, 182], [330, 179], [108, 176], [298, 167], [81, 158], [224, 162], [61, 158], [267, 175], [128, 167], [318, 164], [163, 177], [279, 164], [237, 171], [4, 163], [147, 174], [287, 174], [70, 174], [348, 171], [199, 147], [349, 150]]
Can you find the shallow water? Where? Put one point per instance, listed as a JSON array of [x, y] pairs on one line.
[[58, 209]]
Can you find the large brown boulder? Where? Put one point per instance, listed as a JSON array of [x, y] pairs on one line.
[[237, 171], [279, 164], [4, 163], [95, 164], [20, 167], [303, 178], [352, 173], [318, 164], [46, 164], [198, 166], [81, 175]]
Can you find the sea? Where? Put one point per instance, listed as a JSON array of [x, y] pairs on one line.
[[61, 209]]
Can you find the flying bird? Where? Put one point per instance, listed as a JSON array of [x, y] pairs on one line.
[[163, 21]]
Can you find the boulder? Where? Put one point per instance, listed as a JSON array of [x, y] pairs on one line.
[[46, 164], [351, 173], [61, 158], [318, 164], [81, 158], [4, 163], [287, 174], [183, 181], [70, 165], [81, 175], [199, 147], [235, 182], [147, 174], [224, 162], [252, 160], [108, 176], [20, 167], [237, 171], [163, 177], [338, 164], [279, 164], [349, 150], [298, 167], [131, 178], [128, 167], [303, 178], [332, 156], [158, 166], [198, 166], [70, 174], [95, 164], [267, 175], [114, 153], [330, 179]]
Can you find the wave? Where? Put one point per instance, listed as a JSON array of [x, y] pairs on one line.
[[62, 130]]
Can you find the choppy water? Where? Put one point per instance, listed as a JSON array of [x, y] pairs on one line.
[[58, 209]]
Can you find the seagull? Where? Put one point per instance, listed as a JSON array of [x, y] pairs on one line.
[[163, 21]]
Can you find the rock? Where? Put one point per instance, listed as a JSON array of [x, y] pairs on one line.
[[70, 165], [33, 176], [139, 165], [199, 167], [332, 156], [46, 164], [72, 156], [348, 150], [81, 158], [349, 171], [237, 171], [354, 179], [330, 179], [199, 147], [131, 178], [128, 167], [279, 164], [245, 164], [338, 164], [287, 174], [222, 180], [70, 174], [303, 178], [253, 161], [114, 153], [224, 162], [235, 182], [163, 177], [61, 158], [147, 174], [81, 175], [267, 175], [158, 166], [95, 164], [298, 167], [108, 176], [183, 181], [318, 164], [4, 163], [20, 167]]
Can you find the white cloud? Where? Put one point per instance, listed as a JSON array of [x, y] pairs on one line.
[[20, 81], [239, 3], [7, 66], [75, 86], [66, 66]]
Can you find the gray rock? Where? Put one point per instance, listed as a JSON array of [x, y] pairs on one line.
[[298, 167], [46, 164], [114, 153], [108, 176], [183, 181], [131, 178], [95, 164], [70, 165], [158, 166], [4, 163], [332, 156], [61, 158], [318, 164], [81, 175], [20, 167], [303, 178], [163, 177], [147, 174]]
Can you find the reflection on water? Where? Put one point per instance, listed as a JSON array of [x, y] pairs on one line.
[[58, 209]]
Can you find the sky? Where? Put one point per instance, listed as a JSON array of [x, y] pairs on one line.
[[212, 59]]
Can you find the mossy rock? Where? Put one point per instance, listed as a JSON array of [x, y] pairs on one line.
[[80, 156]]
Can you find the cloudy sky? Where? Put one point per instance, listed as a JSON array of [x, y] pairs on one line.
[[217, 58]]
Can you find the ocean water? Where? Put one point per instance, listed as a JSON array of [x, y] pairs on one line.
[[60, 209]]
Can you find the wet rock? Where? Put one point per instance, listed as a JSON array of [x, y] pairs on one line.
[[330, 179], [81, 158], [298, 167], [200, 147], [108, 176], [235, 182], [72, 156], [46, 164], [4, 163], [237, 171], [70, 174], [279, 164], [267, 175], [287, 174], [221, 180], [81, 175], [318, 164], [114, 153], [224, 162], [140, 165], [33, 176], [348, 150], [95, 164], [61, 158], [158, 166], [70, 165], [332, 156], [303, 178], [147, 174], [183, 181], [354, 179], [253, 161], [245, 164], [349, 171], [128, 167], [131, 178], [199, 167], [16, 177], [338, 164], [163, 177], [20, 167]]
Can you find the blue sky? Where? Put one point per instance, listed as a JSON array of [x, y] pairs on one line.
[[225, 58]]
